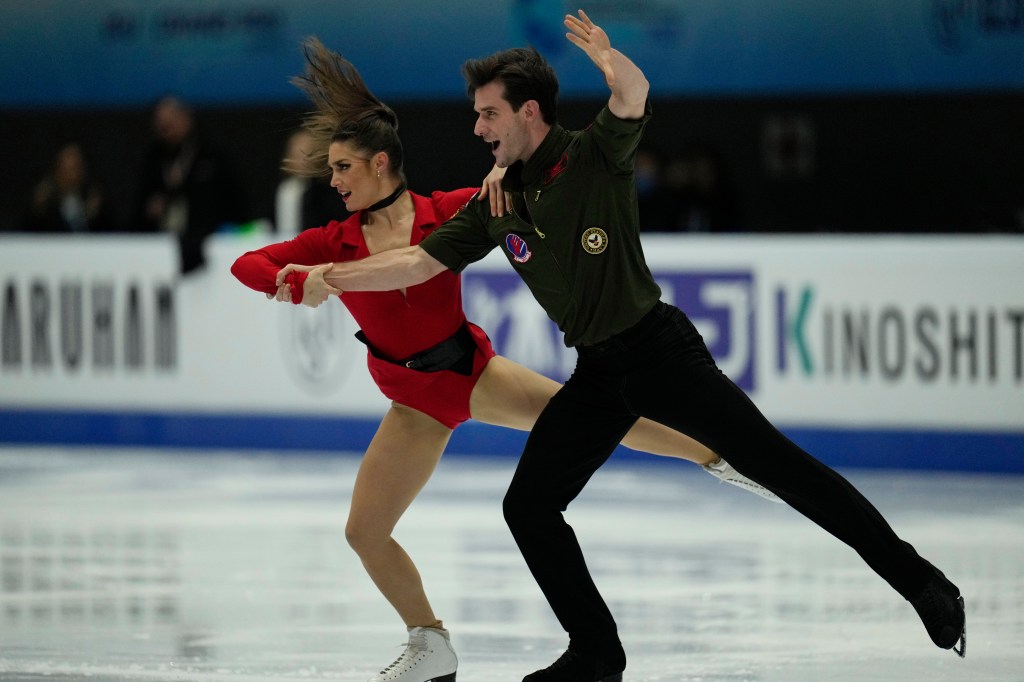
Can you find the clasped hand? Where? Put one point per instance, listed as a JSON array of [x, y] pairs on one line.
[[315, 290]]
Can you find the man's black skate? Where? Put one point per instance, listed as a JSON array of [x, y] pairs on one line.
[[941, 609], [574, 667]]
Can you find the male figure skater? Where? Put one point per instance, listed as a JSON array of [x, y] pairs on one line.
[[572, 235]]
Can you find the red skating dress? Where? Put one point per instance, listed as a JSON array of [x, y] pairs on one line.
[[396, 324]]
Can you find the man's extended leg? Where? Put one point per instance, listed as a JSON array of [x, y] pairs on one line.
[[687, 391]]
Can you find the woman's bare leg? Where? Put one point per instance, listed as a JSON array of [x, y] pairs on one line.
[[397, 464], [509, 394]]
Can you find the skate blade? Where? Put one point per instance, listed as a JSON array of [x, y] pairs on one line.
[[962, 651], [443, 678]]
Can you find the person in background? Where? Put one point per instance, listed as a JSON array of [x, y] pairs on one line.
[[304, 198], [186, 187], [69, 198], [698, 193], [438, 369], [651, 194]]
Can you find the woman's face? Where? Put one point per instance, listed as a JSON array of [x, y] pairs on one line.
[[360, 181]]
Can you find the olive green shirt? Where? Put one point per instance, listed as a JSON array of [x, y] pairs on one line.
[[573, 232]]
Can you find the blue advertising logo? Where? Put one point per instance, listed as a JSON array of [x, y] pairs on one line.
[[722, 307], [720, 304], [516, 324]]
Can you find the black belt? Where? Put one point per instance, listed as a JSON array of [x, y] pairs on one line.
[[454, 353]]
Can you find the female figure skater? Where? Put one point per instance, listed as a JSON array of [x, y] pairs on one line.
[[437, 368]]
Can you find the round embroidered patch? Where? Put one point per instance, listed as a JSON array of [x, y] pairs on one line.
[[595, 240]]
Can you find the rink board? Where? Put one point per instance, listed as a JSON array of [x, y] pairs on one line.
[[871, 351]]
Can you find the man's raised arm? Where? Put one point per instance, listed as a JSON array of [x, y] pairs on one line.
[[627, 82]]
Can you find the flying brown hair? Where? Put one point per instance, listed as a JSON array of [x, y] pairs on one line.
[[345, 110]]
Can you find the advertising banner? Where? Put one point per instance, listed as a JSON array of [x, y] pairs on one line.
[[107, 323], [909, 335]]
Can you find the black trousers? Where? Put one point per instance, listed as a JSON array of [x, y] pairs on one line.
[[662, 370]]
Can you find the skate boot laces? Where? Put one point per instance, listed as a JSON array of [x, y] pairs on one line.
[[428, 657]]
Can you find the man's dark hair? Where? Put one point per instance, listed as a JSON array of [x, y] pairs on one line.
[[525, 74]]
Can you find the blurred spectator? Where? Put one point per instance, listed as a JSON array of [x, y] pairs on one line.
[[68, 199], [651, 195], [700, 195], [302, 202], [186, 187]]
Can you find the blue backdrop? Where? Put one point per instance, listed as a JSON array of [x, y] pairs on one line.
[[67, 53]]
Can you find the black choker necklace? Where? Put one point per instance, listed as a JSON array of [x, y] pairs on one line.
[[388, 200]]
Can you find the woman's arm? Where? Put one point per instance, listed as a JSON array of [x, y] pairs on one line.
[[491, 189], [258, 269]]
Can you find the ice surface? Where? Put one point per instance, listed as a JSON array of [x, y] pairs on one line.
[[142, 565]]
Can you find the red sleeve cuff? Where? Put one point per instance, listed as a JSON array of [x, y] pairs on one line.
[[296, 280]]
